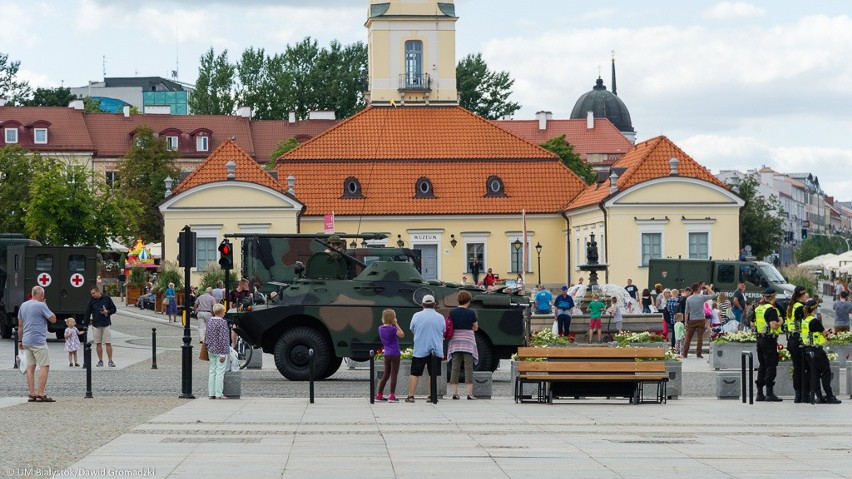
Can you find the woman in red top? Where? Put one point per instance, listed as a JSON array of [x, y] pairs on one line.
[[490, 279]]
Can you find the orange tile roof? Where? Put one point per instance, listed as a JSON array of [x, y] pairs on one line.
[[603, 138], [416, 133], [213, 169], [268, 133], [388, 187], [67, 131], [646, 161]]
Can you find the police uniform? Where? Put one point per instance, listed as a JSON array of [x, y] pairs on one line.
[[767, 345], [814, 340], [794, 346]]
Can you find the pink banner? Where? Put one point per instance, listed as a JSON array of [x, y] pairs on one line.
[[329, 223]]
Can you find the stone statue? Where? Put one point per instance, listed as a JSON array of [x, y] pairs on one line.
[[592, 251]]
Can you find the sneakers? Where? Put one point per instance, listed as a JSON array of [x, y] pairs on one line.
[[379, 397], [100, 364], [111, 364], [393, 399]]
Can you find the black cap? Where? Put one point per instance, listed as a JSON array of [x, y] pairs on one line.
[[811, 303], [798, 291], [769, 292]]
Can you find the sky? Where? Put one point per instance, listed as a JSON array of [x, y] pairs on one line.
[[737, 85]]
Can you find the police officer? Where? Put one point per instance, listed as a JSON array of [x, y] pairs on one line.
[[814, 341], [793, 326], [767, 320]]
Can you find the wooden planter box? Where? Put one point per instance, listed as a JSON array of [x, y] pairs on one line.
[[729, 355], [133, 293]]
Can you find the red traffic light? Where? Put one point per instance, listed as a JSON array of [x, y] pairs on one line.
[[226, 249]]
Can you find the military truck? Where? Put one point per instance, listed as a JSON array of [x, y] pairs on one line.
[[332, 302], [66, 274], [724, 275]]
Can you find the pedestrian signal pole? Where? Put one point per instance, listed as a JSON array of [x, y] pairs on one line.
[[186, 259]]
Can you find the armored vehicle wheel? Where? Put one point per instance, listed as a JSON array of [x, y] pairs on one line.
[[291, 354], [486, 354], [333, 365]]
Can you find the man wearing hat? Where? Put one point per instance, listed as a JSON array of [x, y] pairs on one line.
[[564, 303], [427, 329], [767, 320]]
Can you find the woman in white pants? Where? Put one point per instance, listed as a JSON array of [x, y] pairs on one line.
[[218, 341]]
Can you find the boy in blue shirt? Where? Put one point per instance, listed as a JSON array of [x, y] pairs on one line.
[[542, 300]]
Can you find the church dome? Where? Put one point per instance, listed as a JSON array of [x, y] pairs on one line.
[[603, 104]]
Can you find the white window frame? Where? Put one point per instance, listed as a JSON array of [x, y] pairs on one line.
[[202, 143], [213, 232], [172, 143], [512, 237], [651, 227], [689, 236], [476, 238], [36, 132], [6, 133], [700, 226], [642, 263]]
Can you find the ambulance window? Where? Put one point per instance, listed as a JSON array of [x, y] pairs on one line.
[[76, 263], [725, 274], [44, 262]]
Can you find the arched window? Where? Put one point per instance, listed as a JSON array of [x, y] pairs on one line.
[[424, 188], [414, 63], [352, 188], [494, 186]]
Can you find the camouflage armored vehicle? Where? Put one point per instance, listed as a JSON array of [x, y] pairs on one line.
[[332, 302]]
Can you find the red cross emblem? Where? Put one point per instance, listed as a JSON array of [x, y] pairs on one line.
[[44, 280], [77, 280]]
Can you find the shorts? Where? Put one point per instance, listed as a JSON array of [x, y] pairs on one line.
[[102, 335], [595, 323], [38, 355], [417, 365]]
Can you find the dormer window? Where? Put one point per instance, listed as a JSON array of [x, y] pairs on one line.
[[172, 143], [424, 189], [40, 136], [202, 143], [11, 135], [352, 188], [494, 186]]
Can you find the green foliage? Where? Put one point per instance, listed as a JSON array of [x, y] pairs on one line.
[[570, 159], [169, 273], [143, 173], [800, 277], [90, 105], [545, 338], [483, 91], [14, 90], [213, 274], [817, 245], [50, 97], [136, 278], [213, 94], [16, 172], [282, 147], [761, 219], [70, 206]]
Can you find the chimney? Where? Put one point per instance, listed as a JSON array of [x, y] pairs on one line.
[[169, 183], [542, 117], [76, 104], [590, 120], [244, 112], [673, 164], [291, 118], [2, 101], [126, 110], [291, 185], [231, 167], [613, 183]]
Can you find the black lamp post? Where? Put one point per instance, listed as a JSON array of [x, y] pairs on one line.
[[538, 253], [517, 245], [399, 241]]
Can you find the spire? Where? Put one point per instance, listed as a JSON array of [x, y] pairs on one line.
[[614, 90]]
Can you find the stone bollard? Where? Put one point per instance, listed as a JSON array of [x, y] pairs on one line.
[[232, 384], [728, 385]]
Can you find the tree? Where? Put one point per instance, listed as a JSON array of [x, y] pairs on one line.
[[13, 90], [213, 94], [570, 159], [817, 245], [90, 105], [70, 206], [16, 172], [142, 177], [483, 91], [282, 147], [761, 222], [50, 97]]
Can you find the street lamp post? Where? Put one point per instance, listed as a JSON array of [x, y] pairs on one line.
[[538, 253], [517, 245]]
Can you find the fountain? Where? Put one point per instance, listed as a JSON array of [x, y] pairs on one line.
[[592, 266]]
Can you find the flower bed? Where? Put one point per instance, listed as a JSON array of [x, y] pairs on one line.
[[642, 339], [840, 343]]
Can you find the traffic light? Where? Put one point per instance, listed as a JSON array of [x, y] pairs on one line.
[[186, 249], [226, 255], [804, 233]]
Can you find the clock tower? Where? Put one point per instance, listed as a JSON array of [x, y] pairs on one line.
[[412, 53]]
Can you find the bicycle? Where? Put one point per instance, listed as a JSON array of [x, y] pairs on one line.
[[244, 352]]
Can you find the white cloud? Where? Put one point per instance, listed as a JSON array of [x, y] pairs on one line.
[[733, 10], [284, 25], [16, 25], [36, 79]]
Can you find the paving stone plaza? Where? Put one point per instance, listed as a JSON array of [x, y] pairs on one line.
[[136, 426]]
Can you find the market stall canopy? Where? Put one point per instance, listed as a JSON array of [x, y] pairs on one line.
[[117, 247], [820, 262], [156, 249]]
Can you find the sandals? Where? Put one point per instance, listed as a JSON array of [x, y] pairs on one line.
[[32, 399], [409, 399], [456, 397], [471, 398], [44, 398]]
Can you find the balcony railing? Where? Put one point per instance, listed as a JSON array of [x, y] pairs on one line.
[[415, 82]]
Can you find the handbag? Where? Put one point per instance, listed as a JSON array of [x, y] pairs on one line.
[[204, 356], [448, 332]]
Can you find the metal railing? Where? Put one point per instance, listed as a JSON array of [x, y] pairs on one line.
[[409, 81]]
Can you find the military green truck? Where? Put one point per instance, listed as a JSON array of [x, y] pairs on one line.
[[66, 274], [332, 302], [724, 275]]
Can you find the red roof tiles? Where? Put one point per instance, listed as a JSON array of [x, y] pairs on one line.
[[66, 133], [268, 133], [646, 161], [214, 169], [604, 138]]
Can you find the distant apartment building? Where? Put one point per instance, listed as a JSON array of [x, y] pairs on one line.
[[153, 95]]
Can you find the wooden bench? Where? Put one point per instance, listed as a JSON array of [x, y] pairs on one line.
[[591, 372]]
